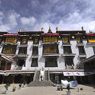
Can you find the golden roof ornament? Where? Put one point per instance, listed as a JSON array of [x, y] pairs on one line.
[[82, 28], [56, 28], [49, 30], [42, 29]]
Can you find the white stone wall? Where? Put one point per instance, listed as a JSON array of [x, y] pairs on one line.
[[88, 49], [1, 47], [75, 51], [41, 59], [29, 55], [60, 59]]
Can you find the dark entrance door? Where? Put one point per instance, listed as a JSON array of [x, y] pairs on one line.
[[4, 65]]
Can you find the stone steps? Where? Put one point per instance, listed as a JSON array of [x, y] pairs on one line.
[[40, 83], [36, 76], [46, 81]]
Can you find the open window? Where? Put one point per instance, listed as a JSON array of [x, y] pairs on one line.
[[69, 62], [94, 49], [34, 62], [67, 49], [79, 39], [23, 40], [35, 51], [20, 63], [47, 39], [35, 40], [82, 58], [51, 62], [11, 39], [1, 40], [65, 39], [81, 50], [4, 65], [9, 49], [50, 49], [22, 50]]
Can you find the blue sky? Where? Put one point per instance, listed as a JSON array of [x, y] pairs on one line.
[[34, 14]]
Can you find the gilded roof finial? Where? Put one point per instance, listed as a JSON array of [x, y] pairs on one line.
[[49, 30], [56, 28], [82, 28], [42, 29]]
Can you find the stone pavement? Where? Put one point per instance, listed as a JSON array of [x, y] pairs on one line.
[[86, 90]]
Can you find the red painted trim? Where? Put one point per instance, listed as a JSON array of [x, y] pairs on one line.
[[1, 35], [10, 34], [65, 35], [91, 34], [50, 34]]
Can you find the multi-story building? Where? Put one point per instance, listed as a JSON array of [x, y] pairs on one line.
[[61, 55]]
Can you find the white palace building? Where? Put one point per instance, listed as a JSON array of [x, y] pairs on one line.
[[62, 55]]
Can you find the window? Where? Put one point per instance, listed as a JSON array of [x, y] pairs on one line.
[[81, 65], [24, 40], [9, 49], [50, 49], [0, 40], [35, 50], [51, 62], [50, 39], [5, 65], [34, 62], [20, 63], [69, 62], [81, 50], [82, 58], [23, 50], [67, 49], [46, 39], [79, 39], [35, 40], [65, 39], [11, 39], [2, 64], [94, 50]]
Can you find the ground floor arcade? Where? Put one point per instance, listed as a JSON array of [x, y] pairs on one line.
[[54, 77]]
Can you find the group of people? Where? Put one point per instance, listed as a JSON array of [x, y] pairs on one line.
[[7, 85]]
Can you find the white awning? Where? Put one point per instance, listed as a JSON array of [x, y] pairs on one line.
[[74, 73], [77, 73], [68, 73]]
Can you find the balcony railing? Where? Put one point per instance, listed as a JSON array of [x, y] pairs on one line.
[[43, 43], [34, 56], [90, 44], [22, 45], [50, 54], [6, 43], [19, 68], [80, 44], [66, 44], [68, 54], [8, 52], [21, 55], [82, 55], [36, 45], [69, 67]]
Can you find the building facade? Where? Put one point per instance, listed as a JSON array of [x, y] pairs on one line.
[[61, 55]]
